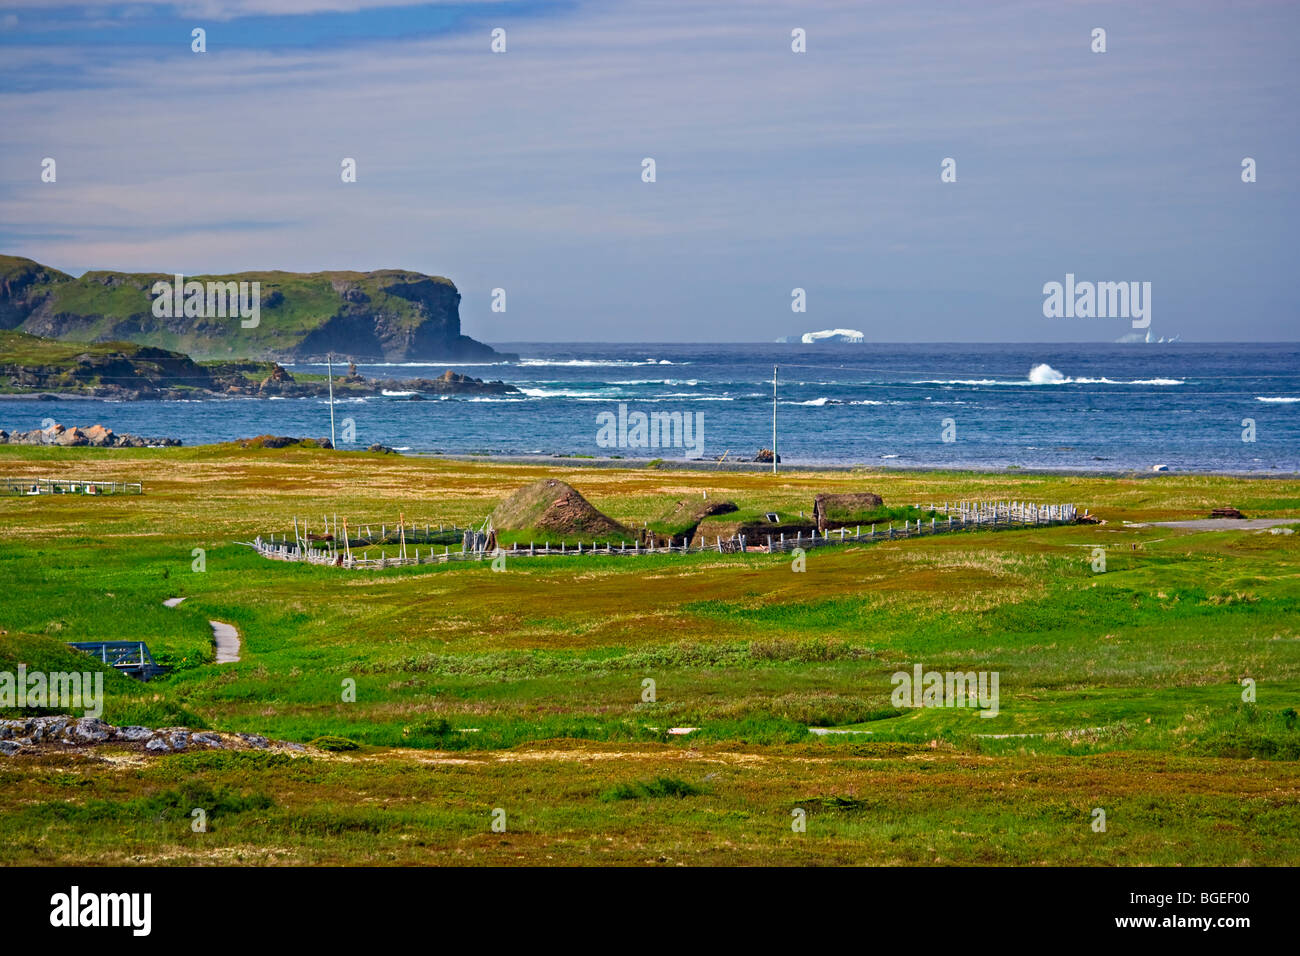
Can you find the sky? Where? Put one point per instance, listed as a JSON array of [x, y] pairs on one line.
[[774, 170]]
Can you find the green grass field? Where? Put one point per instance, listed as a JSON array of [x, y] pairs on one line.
[[523, 690]]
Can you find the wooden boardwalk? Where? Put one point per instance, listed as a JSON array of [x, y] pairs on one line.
[[129, 657], [357, 553]]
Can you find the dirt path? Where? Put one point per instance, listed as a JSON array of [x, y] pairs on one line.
[[1221, 524], [227, 641], [223, 635]]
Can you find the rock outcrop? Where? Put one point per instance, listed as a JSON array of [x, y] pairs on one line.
[[36, 735], [33, 367], [282, 441], [96, 435]]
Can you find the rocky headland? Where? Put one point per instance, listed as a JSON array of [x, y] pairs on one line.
[[37, 368], [388, 315]]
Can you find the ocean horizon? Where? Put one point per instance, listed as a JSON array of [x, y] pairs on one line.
[[989, 406]]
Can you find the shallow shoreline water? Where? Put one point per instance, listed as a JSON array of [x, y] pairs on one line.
[[1058, 409]]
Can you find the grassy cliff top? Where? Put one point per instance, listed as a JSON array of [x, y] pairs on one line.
[[386, 311], [32, 351], [13, 267]]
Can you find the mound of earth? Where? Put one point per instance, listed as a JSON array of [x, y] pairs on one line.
[[555, 506], [836, 511], [691, 511], [755, 531], [679, 521]]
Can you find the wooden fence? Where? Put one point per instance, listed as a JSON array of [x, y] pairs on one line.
[[68, 486], [956, 516]]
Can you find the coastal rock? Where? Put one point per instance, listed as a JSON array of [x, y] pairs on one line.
[[448, 383], [49, 369], [273, 384], [9, 747], [96, 435], [282, 441]]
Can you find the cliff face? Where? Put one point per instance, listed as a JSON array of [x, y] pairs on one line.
[[388, 315]]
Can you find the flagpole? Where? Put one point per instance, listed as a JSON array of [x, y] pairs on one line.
[[329, 371], [774, 455]]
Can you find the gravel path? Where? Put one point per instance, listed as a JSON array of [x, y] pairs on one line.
[[227, 640], [223, 635], [1221, 524]]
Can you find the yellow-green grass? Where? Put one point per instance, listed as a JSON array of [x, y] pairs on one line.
[[862, 805], [477, 689]]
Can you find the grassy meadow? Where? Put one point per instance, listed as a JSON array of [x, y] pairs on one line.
[[524, 689]]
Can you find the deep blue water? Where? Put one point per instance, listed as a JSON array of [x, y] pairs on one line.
[[1102, 407]]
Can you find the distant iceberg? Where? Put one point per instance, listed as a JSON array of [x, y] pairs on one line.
[[1138, 337], [832, 335]]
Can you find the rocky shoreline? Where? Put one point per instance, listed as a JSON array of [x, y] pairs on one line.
[[232, 380], [96, 435], [281, 384]]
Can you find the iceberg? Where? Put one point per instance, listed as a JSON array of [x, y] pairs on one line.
[[832, 335]]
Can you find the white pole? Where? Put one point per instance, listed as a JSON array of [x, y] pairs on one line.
[[329, 371], [774, 419]]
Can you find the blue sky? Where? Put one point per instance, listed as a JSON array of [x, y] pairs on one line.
[[775, 170]]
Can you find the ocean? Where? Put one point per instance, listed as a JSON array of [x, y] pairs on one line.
[[1083, 407]]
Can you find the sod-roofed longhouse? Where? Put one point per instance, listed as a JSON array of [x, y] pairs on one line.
[[754, 528], [555, 507], [677, 524], [839, 511]]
